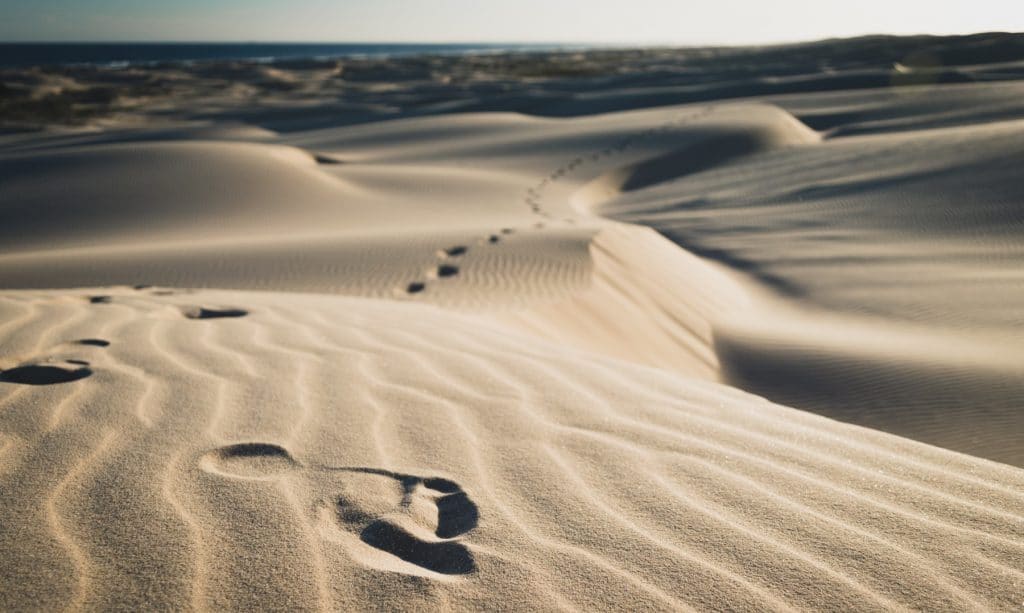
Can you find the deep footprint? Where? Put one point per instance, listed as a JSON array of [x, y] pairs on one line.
[[250, 459], [415, 287], [43, 374], [94, 342], [99, 299], [198, 312], [325, 159], [456, 251], [446, 557], [456, 514], [447, 270]]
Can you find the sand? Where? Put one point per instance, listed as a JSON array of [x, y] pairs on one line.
[[621, 351]]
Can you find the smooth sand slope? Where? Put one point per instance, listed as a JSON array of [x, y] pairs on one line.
[[440, 362]]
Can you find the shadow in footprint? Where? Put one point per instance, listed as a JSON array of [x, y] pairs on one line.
[[94, 342], [198, 312], [456, 251], [43, 374], [456, 514], [446, 557], [447, 270], [250, 460], [366, 511], [415, 287], [493, 239], [326, 159], [100, 299]]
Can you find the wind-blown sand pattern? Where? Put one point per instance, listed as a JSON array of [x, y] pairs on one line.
[[445, 362]]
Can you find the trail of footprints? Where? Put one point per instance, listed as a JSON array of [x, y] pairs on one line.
[[52, 369], [535, 195], [418, 520]]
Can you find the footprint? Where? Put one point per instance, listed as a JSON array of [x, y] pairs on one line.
[[251, 460], [415, 287], [404, 534], [46, 374], [507, 231], [141, 287], [454, 252], [418, 520], [447, 270], [445, 557], [493, 239], [100, 299], [198, 312], [94, 342], [326, 159]]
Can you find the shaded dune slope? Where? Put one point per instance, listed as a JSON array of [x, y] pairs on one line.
[[884, 280]]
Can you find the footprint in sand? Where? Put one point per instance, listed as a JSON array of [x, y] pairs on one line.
[[100, 299], [418, 520], [453, 252], [326, 159], [93, 342], [199, 312], [46, 374], [494, 239], [447, 270], [415, 287], [50, 371]]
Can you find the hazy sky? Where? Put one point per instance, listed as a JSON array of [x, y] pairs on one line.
[[615, 21]]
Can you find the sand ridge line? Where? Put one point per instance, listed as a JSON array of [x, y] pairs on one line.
[[534, 196]]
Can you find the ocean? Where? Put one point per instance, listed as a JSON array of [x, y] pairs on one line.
[[21, 55]]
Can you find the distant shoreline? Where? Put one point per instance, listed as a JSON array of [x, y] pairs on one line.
[[25, 55]]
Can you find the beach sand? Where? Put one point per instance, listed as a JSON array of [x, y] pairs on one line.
[[665, 337]]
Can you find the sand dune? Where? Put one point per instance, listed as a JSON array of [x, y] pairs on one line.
[[909, 262], [501, 351], [331, 452]]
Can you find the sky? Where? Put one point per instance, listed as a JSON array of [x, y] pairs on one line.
[[680, 22]]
